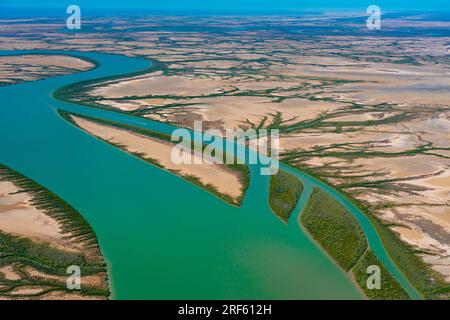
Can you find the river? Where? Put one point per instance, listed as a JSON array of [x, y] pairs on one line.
[[163, 237]]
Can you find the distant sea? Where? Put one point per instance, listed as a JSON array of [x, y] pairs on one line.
[[338, 26], [26, 12]]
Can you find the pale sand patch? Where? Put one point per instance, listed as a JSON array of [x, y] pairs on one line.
[[219, 64], [233, 112], [438, 186], [418, 216], [19, 217], [9, 273], [423, 240], [415, 165], [409, 234], [26, 290], [440, 264], [431, 189], [131, 105], [60, 295], [223, 179], [303, 109], [160, 85], [37, 274], [434, 129], [389, 138], [384, 82], [121, 105], [33, 67], [49, 60], [317, 161], [428, 228], [378, 141], [445, 153], [363, 116], [404, 166], [438, 214], [95, 280]]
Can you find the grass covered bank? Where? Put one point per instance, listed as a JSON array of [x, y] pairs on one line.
[[389, 288], [285, 190], [335, 229], [428, 282], [339, 233], [40, 268]]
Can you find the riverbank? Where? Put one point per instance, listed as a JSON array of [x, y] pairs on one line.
[[284, 247], [422, 277], [284, 193], [226, 181], [78, 86], [41, 236], [32, 67], [338, 232]]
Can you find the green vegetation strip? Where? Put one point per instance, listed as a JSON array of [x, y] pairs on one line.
[[53, 206], [428, 282], [240, 169], [21, 252], [336, 230], [285, 190], [339, 233], [389, 288]]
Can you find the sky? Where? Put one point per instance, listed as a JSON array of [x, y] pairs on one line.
[[235, 5]]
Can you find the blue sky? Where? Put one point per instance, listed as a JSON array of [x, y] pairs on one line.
[[235, 5]]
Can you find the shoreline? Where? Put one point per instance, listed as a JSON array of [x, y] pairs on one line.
[[242, 173], [350, 200], [77, 86], [45, 259], [94, 65]]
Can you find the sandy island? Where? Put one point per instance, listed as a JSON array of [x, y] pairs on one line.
[[223, 179]]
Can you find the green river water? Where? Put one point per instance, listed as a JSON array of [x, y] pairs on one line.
[[163, 237]]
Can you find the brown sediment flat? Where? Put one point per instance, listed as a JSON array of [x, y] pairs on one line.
[[21, 68], [239, 112], [25, 290], [411, 235], [96, 280], [379, 141], [19, 217], [9, 273], [219, 176], [37, 274], [59, 295], [440, 264], [409, 74], [130, 105], [161, 85], [47, 60]]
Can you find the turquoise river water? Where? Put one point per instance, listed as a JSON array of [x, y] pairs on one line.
[[163, 237]]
